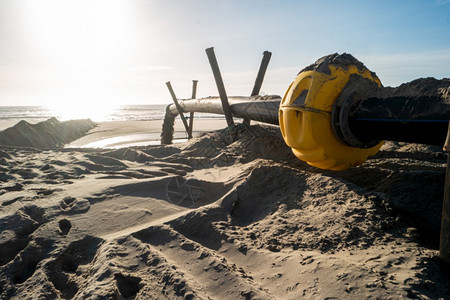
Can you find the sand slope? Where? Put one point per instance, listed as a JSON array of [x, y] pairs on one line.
[[216, 219], [47, 134]]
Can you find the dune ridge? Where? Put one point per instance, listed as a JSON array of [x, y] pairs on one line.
[[47, 134]]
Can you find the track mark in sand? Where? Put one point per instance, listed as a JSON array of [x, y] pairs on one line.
[[73, 205], [35, 213], [14, 236], [156, 278], [64, 226], [99, 163], [10, 245], [9, 202], [91, 167], [199, 266], [106, 161], [183, 192], [66, 271], [139, 174], [128, 285], [58, 162], [3, 162], [25, 264], [130, 155], [67, 202], [45, 192], [173, 171], [13, 188], [4, 154], [5, 177], [24, 173]]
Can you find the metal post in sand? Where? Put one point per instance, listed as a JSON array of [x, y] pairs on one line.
[[191, 114], [444, 247], [259, 78], [222, 93], [180, 111], [261, 73]]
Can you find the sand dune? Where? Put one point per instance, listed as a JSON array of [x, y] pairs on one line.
[[213, 218], [47, 134]]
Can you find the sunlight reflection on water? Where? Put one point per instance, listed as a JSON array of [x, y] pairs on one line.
[[97, 113], [132, 140]]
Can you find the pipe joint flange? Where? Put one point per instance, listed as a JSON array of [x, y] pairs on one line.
[[340, 119]]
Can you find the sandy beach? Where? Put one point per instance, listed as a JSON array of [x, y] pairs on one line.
[[120, 134], [212, 218]]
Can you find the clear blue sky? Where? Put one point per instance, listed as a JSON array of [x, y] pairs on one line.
[[113, 51]]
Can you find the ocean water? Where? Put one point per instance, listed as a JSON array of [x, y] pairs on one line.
[[10, 115]]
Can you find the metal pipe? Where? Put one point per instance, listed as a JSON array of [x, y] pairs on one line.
[[415, 112], [240, 107], [262, 109]]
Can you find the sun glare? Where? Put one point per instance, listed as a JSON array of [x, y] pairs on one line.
[[80, 33], [74, 111], [83, 44]]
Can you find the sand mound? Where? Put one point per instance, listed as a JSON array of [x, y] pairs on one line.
[[47, 134], [215, 218]]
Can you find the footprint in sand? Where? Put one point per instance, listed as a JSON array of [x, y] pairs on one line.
[[64, 272], [73, 205], [9, 202], [128, 285], [4, 154], [64, 226]]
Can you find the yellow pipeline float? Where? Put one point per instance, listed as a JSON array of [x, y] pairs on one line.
[[306, 109]]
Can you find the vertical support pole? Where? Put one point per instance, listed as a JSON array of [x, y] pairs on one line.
[[259, 78], [194, 89], [191, 115], [444, 247], [261, 73], [222, 93], [177, 105]]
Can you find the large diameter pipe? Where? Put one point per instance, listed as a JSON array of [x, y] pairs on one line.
[[265, 111], [415, 112]]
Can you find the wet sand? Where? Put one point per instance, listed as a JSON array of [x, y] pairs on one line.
[[119, 134]]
